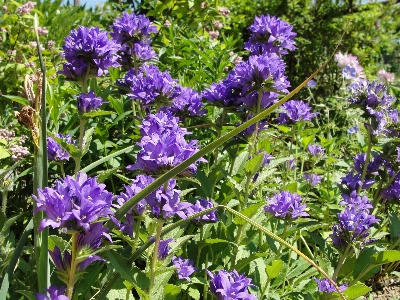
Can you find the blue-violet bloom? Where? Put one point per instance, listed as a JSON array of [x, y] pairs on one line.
[[286, 205], [184, 267]]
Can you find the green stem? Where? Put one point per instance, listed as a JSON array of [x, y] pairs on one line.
[[285, 226], [4, 203], [155, 256], [367, 157], [342, 259], [82, 123], [72, 271]]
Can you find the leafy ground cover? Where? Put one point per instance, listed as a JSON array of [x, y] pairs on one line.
[[160, 154]]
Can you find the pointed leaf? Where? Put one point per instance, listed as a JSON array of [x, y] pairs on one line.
[[274, 269]]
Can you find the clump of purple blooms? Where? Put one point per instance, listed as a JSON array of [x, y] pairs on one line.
[[230, 285], [186, 102], [74, 203], [354, 222], [286, 205], [88, 102], [163, 248], [376, 103], [133, 35], [199, 206], [54, 151], [184, 267], [295, 111], [163, 145], [324, 285], [89, 53], [315, 149], [312, 179], [270, 34]]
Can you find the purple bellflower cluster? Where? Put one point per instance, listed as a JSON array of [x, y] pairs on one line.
[[354, 222], [89, 53], [132, 33], [376, 103], [314, 149], [186, 102], [199, 206], [286, 205], [295, 111], [88, 102], [353, 180], [184, 267], [224, 94], [163, 145], [54, 151], [270, 35], [392, 192], [325, 286], [74, 203], [230, 285], [312, 179], [54, 294]]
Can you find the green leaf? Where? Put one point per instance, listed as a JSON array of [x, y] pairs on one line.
[[119, 295], [28, 294], [96, 113], [307, 140], [4, 153], [254, 164], [71, 149], [394, 225], [248, 212], [119, 264], [385, 257], [245, 261], [116, 104], [172, 292], [18, 99], [274, 269], [87, 139], [240, 162], [291, 187], [194, 293], [356, 291]]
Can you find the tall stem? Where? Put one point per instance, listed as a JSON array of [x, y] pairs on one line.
[[341, 261], [82, 123], [367, 158], [4, 203], [71, 275], [155, 255]]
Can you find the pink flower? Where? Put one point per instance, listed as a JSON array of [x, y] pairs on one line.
[[213, 34], [385, 76]]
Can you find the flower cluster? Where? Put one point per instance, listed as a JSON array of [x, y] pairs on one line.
[[163, 248], [88, 102], [184, 267], [312, 179], [286, 205], [351, 68], [230, 285], [89, 53], [186, 102], [54, 151], [392, 192], [325, 286], [74, 203], [270, 34], [199, 206], [132, 33], [295, 111], [315, 149], [376, 103], [354, 222], [25, 9], [15, 144], [163, 145]]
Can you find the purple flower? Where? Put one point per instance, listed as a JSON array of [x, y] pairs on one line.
[[312, 179], [314, 149], [356, 201], [311, 84], [353, 181], [392, 192], [131, 28], [352, 130], [163, 145], [186, 102], [151, 86], [227, 285], [349, 72], [263, 73], [224, 94], [324, 285], [354, 225], [199, 206], [89, 53], [54, 294], [286, 205], [163, 248], [88, 102], [184, 267], [271, 35], [295, 111], [54, 151], [373, 166], [74, 203]]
